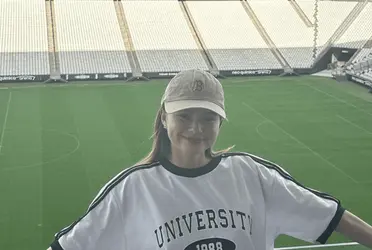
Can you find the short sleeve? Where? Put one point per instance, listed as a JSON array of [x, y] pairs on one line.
[[99, 228], [295, 210]]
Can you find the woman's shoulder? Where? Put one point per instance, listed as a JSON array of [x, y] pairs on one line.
[[130, 172], [252, 160], [125, 178], [245, 156], [135, 169]]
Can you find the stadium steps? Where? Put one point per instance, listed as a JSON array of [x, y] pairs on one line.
[[367, 45], [354, 13], [54, 64], [301, 13], [350, 62], [127, 38], [265, 36], [198, 38]]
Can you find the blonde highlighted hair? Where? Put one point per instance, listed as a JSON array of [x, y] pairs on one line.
[[161, 146]]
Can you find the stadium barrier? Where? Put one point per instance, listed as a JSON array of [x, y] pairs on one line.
[[263, 72], [23, 78], [259, 72], [128, 76], [360, 80], [159, 74], [255, 72], [89, 77]]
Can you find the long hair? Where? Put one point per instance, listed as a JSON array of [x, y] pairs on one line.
[[161, 145]]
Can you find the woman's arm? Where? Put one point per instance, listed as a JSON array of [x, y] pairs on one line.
[[355, 229]]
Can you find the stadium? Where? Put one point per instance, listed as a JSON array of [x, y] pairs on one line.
[[81, 81]]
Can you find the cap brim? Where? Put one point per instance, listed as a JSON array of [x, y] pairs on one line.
[[171, 107]]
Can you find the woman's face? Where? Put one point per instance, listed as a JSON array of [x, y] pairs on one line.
[[192, 130]]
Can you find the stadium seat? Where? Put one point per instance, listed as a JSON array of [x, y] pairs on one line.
[[161, 36], [89, 38], [363, 55], [359, 32], [292, 36], [231, 37], [24, 52], [331, 14]]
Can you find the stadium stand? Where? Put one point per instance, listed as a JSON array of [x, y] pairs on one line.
[[162, 37], [89, 38], [279, 19], [363, 55], [359, 32], [368, 74], [230, 36], [106, 39], [331, 14], [24, 52], [362, 63], [297, 45]]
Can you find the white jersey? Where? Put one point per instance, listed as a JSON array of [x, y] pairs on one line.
[[237, 201]]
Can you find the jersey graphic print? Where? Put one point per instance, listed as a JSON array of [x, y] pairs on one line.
[[204, 220], [212, 244]]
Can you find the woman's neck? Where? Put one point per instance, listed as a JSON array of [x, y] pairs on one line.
[[184, 160]]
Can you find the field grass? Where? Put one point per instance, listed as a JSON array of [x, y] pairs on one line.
[[60, 145]]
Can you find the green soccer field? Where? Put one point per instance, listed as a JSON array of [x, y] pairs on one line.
[[60, 144]]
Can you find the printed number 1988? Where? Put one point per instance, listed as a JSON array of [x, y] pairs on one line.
[[210, 246]]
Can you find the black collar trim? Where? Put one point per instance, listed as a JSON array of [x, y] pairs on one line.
[[190, 172]]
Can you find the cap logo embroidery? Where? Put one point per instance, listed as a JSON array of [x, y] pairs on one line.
[[197, 86]]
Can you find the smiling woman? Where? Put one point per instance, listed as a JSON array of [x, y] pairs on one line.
[[191, 132], [185, 196], [188, 121]]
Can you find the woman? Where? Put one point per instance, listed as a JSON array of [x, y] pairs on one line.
[[184, 196]]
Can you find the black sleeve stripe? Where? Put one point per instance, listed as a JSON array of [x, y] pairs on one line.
[[284, 174], [103, 194], [332, 226], [289, 177], [56, 246]]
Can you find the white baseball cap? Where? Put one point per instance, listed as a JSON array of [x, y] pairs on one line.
[[194, 88]]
